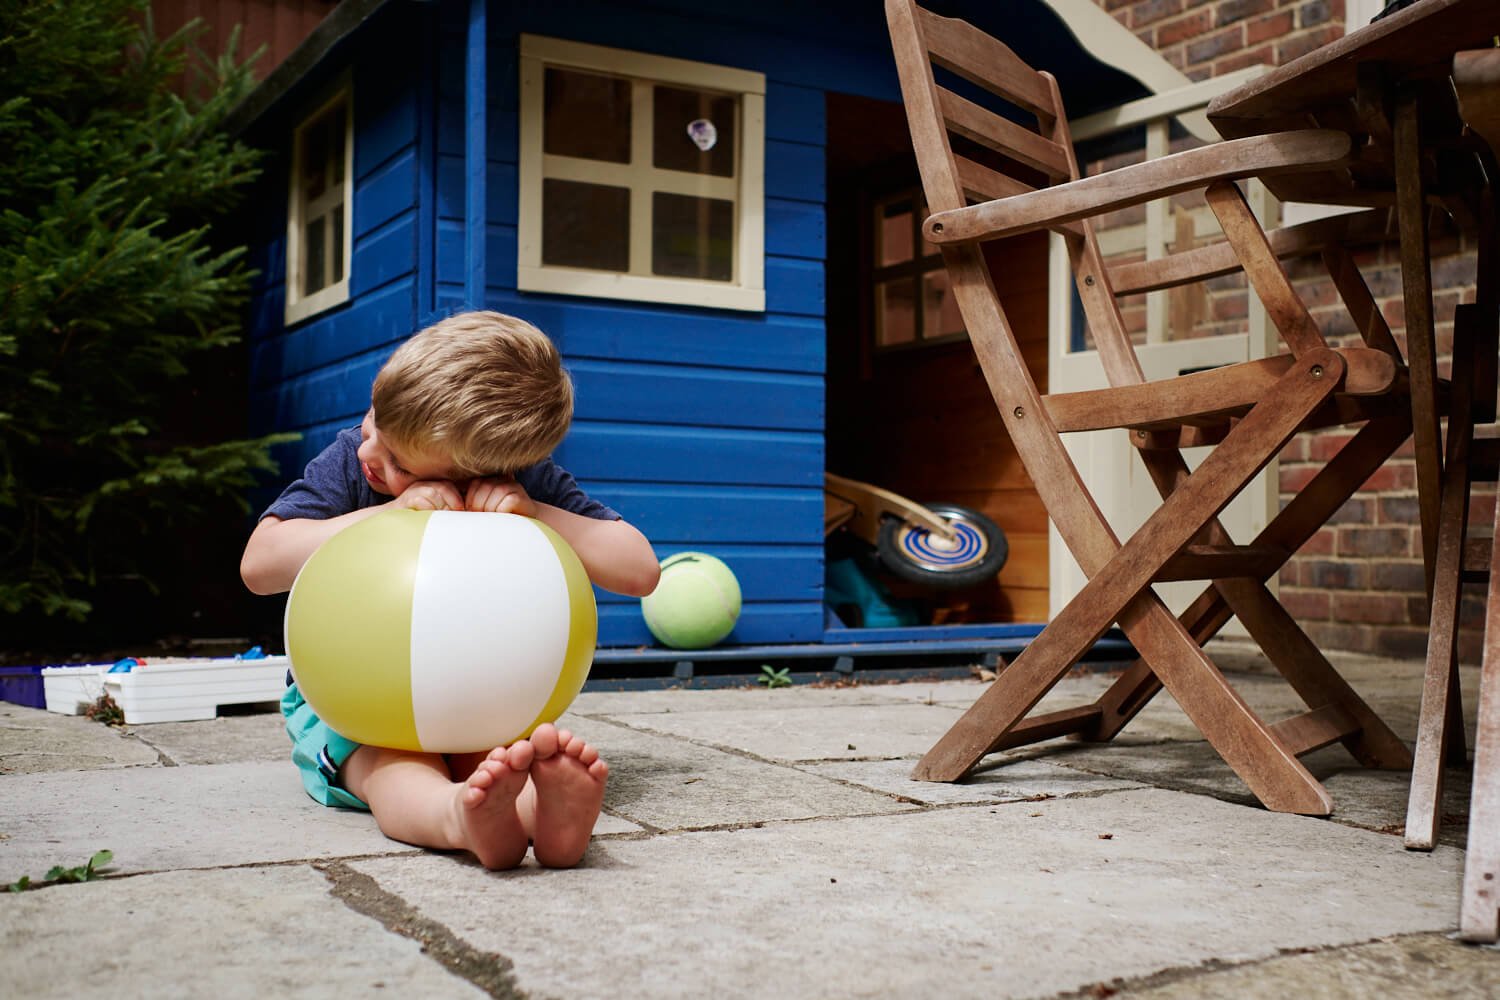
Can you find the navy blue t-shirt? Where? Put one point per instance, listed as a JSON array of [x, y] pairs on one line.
[[334, 484]]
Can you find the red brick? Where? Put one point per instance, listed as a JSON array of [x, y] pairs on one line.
[[1321, 543], [1342, 574], [1263, 56], [1225, 42], [1263, 28], [1391, 476], [1183, 28], [1312, 14], [1230, 11], [1152, 11], [1373, 609], [1399, 577], [1381, 542], [1399, 509], [1306, 605]]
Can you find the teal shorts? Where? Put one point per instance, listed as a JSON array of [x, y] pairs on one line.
[[318, 752]]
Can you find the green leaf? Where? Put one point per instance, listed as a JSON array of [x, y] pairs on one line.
[[21, 884], [100, 859]]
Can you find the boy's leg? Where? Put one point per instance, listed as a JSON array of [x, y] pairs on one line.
[[561, 803], [415, 800]]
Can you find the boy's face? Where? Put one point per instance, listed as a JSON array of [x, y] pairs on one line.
[[389, 472]]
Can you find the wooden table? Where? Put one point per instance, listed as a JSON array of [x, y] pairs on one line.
[[1391, 85]]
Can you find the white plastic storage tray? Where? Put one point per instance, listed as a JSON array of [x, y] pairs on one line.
[[167, 690]]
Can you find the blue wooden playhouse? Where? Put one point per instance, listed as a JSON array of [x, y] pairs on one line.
[[709, 206]]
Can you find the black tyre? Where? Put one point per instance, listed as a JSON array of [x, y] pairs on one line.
[[918, 556]]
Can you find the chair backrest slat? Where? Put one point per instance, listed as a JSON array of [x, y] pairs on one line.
[[961, 48], [977, 124], [983, 184]]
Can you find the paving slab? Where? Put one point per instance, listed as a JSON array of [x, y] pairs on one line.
[[792, 733], [1023, 780], [740, 699], [33, 741], [671, 784], [162, 818], [226, 739], [239, 933], [971, 901], [1416, 967]]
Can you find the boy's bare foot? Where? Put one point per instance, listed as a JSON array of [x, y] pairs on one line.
[[569, 780], [490, 826]]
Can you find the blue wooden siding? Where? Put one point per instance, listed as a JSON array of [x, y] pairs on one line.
[[704, 427], [315, 377]]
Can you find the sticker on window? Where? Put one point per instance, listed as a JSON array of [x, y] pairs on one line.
[[703, 133]]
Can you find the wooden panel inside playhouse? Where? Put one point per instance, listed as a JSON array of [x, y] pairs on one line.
[[919, 419]]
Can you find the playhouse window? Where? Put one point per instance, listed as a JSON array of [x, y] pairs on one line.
[[914, 302], [641, 177], [319, 223]]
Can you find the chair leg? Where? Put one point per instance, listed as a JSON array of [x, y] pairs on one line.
[[1125, 580], [1299, 521], [1479, 911], [1440, 725], [1274, 774]]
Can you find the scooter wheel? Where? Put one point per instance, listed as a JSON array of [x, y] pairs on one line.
[[975, 554]]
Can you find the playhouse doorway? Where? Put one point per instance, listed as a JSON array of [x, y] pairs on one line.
[[908, 408]]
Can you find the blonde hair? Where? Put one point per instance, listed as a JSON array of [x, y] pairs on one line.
[[487, 389]]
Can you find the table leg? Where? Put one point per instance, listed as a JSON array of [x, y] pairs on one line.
[[1421, 351]]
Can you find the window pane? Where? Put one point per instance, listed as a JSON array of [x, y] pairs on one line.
[[315, 260], [587, 116], [692, 237], [336, 145], [336, 261], [314, 158], [585, 225], [894, 233], [895, 312], [694, 131], [940, 315]]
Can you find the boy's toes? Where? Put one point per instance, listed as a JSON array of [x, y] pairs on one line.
[[519, 755], [545, 740]]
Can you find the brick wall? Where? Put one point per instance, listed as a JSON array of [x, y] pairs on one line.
[[1358, 584]]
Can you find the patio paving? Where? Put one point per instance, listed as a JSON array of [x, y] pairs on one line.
[[754, 843]]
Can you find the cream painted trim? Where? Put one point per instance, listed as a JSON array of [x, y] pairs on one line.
[[1186, 103], [559, 52], [746, 289], [298, 306], [612, 285]]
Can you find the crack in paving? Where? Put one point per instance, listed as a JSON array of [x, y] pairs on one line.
[[488, 970]]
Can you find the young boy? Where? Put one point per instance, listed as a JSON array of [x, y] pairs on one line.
[[463, 417]]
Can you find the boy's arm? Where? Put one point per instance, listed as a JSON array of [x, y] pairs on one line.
[[615, 553], [278, 547]]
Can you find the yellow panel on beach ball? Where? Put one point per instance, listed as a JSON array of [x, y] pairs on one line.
[[489, 619]]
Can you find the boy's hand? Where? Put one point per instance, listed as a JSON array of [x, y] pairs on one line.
[[430, 494], [499, 495]]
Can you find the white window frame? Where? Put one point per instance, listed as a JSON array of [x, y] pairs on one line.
[[746, 288], [298, 305]]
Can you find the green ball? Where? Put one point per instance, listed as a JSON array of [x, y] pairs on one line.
[[695, 604]]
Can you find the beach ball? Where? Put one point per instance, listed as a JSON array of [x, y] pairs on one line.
[[695, 604], [441, 631]]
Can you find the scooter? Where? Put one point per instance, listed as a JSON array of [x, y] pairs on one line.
[[938, 544]]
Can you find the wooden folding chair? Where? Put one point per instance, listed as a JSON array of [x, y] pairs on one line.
[[1473, 455], [995, 131]]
